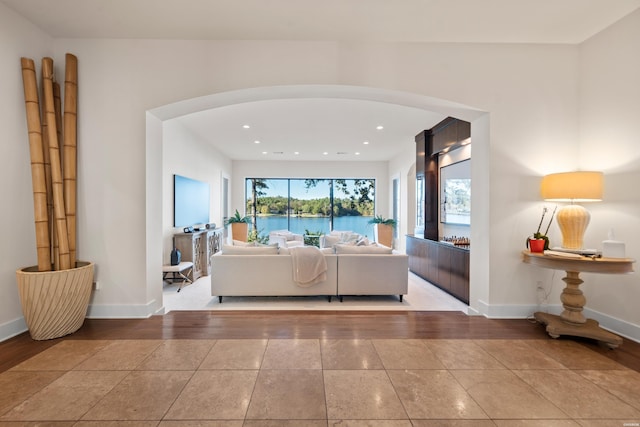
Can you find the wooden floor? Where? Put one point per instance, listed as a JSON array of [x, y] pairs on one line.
[[308, 324]]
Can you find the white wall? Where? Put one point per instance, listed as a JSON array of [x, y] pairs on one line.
[[18, 38], [187, 155], [532, 93], [609, 141]]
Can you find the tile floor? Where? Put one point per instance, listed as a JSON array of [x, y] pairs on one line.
[[309, 382]]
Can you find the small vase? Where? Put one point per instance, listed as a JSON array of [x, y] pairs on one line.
[[536, 245]]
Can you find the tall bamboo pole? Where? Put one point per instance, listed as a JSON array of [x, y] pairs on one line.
[[70, 148], [57, 105], [37, 163], [53, 241], [56, 168]]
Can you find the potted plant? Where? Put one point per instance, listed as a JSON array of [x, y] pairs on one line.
[[312, 238], [239, 226], [54, 294], [539, 242], [383, 230]]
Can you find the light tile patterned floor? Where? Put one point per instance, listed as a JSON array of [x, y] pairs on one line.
[[353, 383]]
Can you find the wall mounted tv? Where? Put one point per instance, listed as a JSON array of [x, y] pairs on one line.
[[190, 201]]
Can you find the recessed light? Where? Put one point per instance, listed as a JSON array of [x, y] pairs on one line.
[[325, 153], [379, 127], [366, 142], [256, 142], [264, 152], [296, 152], [357, 153], [246, 126]]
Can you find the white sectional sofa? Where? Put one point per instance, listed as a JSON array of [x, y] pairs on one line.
[[264, 274], [262, 271]]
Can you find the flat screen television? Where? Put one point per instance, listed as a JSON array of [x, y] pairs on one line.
[[190, 201], [455, 193]]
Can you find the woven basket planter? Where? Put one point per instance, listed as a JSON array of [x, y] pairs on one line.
[[239, 231], [54, 303], [383, 234]]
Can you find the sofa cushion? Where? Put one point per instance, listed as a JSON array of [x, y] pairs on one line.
[[241, 243], [329, 241], [370, 249], [249, 250]]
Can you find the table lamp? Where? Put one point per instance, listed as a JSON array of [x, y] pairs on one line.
[[579, 186]]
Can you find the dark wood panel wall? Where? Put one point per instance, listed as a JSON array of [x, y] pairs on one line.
[[443, 265], [447, 135]]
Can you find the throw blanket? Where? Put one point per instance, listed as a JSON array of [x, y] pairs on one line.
[[309, 265]]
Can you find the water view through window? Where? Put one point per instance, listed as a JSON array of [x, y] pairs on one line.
[[311, 205]]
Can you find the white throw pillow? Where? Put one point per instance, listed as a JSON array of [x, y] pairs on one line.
[[363, 242], [329, 241], [370, 249], [249, 250], [349, 238], [329, 250]]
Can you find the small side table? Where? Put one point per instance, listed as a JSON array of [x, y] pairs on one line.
[[572, 321], [183, 271]]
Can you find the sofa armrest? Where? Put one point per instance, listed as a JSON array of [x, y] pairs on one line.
[[373, 274]]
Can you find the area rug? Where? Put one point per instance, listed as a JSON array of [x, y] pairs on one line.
[[422, 296]]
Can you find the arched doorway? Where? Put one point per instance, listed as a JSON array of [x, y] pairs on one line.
[[479, 286]]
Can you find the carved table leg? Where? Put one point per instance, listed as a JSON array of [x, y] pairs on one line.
[[572, 299], [572, 321]]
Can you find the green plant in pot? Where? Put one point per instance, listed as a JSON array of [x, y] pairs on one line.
[[239, 226], [540, 236], [312, 238], [54, 295], [383, 229]]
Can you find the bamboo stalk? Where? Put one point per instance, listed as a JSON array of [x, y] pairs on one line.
[[57, 105], [70, 148], [53, 240], [56, 168], [37, 164]]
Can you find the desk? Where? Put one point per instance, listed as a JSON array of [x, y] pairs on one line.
[[572, 321]]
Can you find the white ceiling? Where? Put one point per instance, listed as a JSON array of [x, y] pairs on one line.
[[313, 126], [476, 21]]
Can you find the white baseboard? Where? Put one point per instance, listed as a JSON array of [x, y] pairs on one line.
[[12, 328], [129, 311], [510, 311]]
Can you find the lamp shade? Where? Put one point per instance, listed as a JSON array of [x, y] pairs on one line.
[[580, 186]]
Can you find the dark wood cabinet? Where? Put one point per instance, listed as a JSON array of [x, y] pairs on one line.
[[447, 135], [443, 265]]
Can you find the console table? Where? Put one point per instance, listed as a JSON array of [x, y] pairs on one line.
[[572, 321]]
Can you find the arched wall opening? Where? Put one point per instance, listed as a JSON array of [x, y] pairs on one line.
[[479, 267]]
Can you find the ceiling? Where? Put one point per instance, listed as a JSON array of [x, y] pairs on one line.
[[312, 127], [475, 21]]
